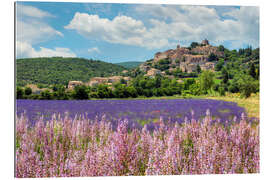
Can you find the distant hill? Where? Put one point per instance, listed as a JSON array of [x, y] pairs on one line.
[[58, 70], [130, 64]]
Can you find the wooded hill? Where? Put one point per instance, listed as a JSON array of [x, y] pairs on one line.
[[59, 70], [130, 64]]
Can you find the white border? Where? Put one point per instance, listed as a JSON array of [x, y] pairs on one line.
[[7, 86]]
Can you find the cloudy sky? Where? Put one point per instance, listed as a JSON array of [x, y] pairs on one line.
[[126, 32]]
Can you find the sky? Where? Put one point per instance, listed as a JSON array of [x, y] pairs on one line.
[[128, 32]]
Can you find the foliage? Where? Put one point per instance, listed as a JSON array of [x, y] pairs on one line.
[[206, 80], [221, 48], [247, 85], [46, 94], [194, 44], [225, 75], [219, 65], [198, 69], [58, 70], [19, 93], [212, 57], [28, 91], [80, 92]]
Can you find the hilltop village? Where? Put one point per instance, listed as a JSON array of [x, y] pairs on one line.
[[183, 58]]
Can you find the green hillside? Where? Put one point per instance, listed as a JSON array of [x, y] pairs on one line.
[[58, 70], [130, 65]]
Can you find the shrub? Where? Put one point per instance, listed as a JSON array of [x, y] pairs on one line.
[[28, 91]]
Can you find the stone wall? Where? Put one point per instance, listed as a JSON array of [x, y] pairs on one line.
[[195, 58], [207, 50]]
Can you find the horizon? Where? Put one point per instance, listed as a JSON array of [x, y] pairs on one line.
[[118, 33]]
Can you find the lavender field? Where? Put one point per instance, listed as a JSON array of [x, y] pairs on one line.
[[134, 137], [70, 147], [138, 112]]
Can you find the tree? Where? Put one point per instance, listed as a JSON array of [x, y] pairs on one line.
[[80, 92], [131, 91], [247, 85], [194, 44], [28, 91], [221, 48], [104, 91], [158, 81], [19, 93], [252, 71], [198, 68], [212, 57], [206, 80], [219, 65], [225, 75]]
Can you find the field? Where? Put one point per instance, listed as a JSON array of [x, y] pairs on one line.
[[140, 112], [134, 137], [71, 147]]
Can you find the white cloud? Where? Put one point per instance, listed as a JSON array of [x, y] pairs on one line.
[[31, 26], [32, 29], [35, 31], [24, 49], [30, 11], [120, 30], [164, 25], [93, 50]]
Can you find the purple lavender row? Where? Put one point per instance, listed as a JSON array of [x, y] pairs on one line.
[[139, 111]]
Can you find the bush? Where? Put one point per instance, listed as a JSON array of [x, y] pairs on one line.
[[247, 85], [221, 91], [19, 93], [28, 91], [80, 92], [45, 95]]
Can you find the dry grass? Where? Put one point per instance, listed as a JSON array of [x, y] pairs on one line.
[[251, 104]]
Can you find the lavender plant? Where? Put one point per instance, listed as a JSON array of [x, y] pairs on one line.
[[68, 147]]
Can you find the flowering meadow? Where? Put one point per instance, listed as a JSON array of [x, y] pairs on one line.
[[66, 147]]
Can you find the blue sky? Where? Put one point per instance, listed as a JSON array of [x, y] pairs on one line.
[[128, 32]]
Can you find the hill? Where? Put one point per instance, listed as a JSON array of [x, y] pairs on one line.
[[59, 70], [130, 64]]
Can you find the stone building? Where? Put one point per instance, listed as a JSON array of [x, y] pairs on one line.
[[72, 84]]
